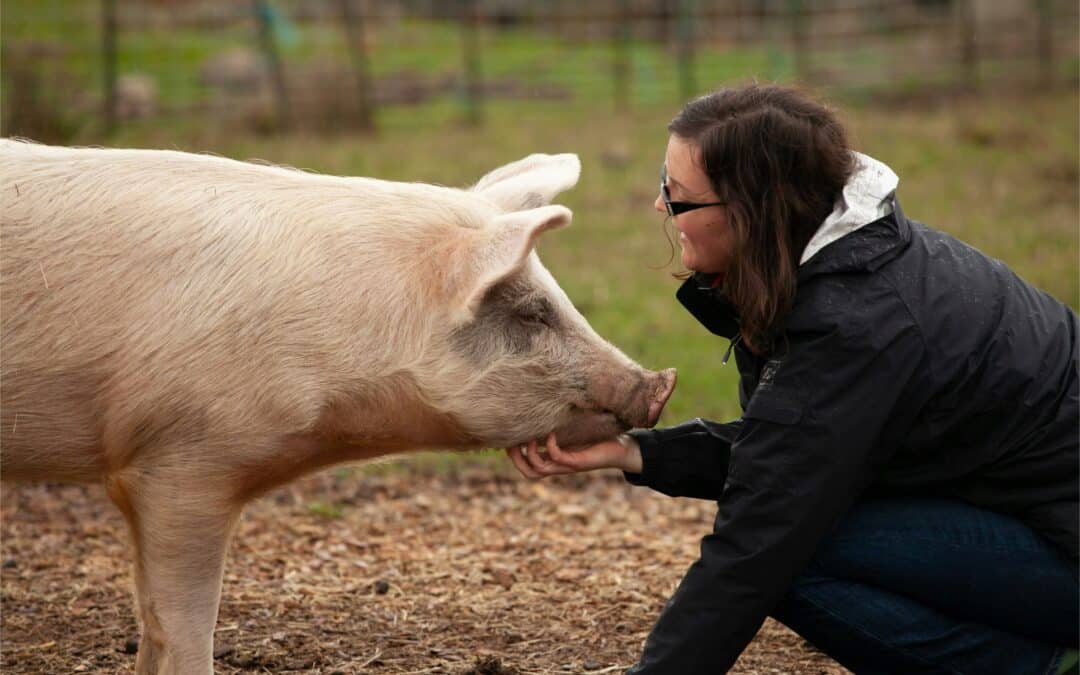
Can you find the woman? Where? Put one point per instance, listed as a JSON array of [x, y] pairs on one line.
[[902, 489]]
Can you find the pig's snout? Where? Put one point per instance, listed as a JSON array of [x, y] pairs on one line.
[[664, 386], [635, 398], [642, 397]]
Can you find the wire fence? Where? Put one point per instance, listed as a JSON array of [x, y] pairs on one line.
[[81, 68]]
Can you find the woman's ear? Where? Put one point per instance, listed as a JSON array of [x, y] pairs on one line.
[[530, 182]]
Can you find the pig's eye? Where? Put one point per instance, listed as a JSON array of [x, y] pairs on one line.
[[534, 316]]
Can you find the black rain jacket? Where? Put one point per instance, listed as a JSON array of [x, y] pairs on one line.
[[910, 363]]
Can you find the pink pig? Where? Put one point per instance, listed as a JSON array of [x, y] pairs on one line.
[[193, 331]]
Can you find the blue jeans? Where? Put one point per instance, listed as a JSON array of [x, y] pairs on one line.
[[923, 585]]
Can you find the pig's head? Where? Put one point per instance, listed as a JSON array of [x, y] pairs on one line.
[[518, 361]]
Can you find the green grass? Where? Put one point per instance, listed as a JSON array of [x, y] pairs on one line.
[[173, 55], [999, 171], [324, 510]]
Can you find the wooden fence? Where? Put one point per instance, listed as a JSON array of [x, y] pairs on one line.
[[341, 64]]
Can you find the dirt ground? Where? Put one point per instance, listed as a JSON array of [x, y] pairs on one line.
[[470, 571]]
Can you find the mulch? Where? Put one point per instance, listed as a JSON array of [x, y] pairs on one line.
[[468, 571]]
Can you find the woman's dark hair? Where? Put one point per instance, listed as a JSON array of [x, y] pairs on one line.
[[779, 160]]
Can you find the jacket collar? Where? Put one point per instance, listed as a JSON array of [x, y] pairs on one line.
[[708, 305], [865, 249]]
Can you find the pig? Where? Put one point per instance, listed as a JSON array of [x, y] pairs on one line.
[[193, 331]]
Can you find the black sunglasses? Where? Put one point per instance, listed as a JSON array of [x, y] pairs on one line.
[[675, 208]]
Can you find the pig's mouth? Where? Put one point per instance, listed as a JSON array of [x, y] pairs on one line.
[[588, 426]]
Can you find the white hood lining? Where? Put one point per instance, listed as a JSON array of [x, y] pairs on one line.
[[866, 197]]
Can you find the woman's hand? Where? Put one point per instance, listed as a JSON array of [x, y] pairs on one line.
[[534, 461]]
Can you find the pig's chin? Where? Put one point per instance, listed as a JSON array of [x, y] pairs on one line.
[[587, 428]]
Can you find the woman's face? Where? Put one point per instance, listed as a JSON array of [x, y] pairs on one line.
[[706, 238]]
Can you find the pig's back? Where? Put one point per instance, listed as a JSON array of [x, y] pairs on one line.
[[101, 243], [155, 285], [136, 281]]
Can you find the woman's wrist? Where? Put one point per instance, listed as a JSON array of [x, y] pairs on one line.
[[632, 457]]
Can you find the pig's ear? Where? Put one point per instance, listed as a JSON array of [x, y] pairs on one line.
[[509, 241], [530, 182]]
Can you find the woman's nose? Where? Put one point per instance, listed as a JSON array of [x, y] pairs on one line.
[[659, 204]]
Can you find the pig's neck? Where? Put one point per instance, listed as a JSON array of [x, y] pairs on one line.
[[374, 428], [387, 418]]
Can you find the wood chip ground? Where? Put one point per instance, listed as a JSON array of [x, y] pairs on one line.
[[469, 571]]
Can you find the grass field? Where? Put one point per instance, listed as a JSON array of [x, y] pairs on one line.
[[998, 172], [998, 169], [173, 54]]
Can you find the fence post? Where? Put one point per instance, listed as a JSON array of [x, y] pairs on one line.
[[357, 43], [799, 43], [685, 49], [264, 18], [969, 51], [108, 54], [737, 17], [470, 42], [1044, 43], [621, 22]]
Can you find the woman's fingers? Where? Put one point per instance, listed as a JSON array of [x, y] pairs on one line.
[[533, 463], [556, 453], [540, 462], [536, 461], [518, 458], [529, 453], [543, 464]]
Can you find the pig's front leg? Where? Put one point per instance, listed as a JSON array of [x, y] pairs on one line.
[[180, 527]]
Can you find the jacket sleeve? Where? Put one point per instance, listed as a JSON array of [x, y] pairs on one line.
[[688, 460], [814, 434]]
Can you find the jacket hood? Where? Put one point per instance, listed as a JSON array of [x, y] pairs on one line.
[[867, 196]]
